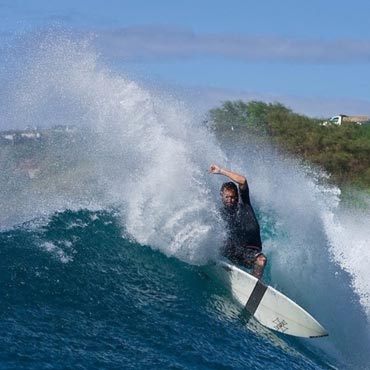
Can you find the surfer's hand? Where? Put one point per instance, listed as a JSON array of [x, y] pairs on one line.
[[213, 168]]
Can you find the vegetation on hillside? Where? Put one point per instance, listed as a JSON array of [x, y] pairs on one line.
[[343, 151]]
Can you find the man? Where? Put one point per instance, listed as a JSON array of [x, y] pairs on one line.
[[243, 245]]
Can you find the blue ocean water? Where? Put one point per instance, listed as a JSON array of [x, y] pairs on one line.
[[77, 295], [109, 220]]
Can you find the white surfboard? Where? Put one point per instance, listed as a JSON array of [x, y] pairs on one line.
[[270, 307]]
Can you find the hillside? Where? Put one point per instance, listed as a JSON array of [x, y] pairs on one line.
[[343, 151]]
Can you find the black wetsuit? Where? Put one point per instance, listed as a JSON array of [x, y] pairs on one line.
[[243, 243]]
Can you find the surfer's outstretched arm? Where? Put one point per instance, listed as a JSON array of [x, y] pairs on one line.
[[239, 179]]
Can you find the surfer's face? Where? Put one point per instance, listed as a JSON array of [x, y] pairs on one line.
[[229, 198]]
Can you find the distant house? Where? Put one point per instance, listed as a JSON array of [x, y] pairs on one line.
[[30, 135], [64, 129], [13, 137], [8, 137], [343, 118], [360, 120]]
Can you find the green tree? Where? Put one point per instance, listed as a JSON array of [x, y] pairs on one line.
[[344, 150]]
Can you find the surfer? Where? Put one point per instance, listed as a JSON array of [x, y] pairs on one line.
[[243, 245]]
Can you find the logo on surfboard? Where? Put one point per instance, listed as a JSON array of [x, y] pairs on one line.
[[280, 325]]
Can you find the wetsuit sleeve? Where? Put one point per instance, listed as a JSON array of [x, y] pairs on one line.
[[244, 193]]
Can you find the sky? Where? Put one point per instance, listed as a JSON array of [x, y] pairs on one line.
[[313, 56]]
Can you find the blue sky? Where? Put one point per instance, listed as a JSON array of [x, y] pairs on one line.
[[313, 56]]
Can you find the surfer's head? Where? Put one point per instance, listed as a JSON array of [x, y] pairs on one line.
[[229, 194]]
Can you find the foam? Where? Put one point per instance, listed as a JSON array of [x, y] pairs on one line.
[[146, 153], [348, 232]]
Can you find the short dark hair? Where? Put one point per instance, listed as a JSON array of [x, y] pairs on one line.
[[229, 186]]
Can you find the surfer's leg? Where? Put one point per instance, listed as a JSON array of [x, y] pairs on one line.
[[259, 265]]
